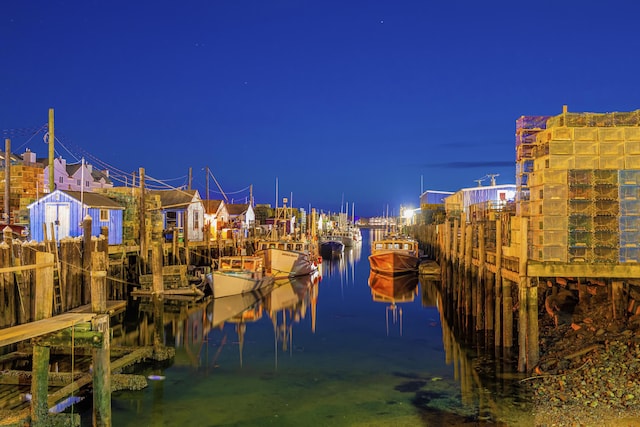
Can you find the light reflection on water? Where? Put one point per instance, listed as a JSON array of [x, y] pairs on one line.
[[317, 352]]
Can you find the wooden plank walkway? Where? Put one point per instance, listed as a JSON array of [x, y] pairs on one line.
[[30, 330]]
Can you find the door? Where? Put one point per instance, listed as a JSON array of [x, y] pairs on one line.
[[58, 215]]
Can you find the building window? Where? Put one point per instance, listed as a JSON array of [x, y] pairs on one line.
[[196, 220], [171, 219], [104, 215], [86, 184], [78, 181], [61, 180]]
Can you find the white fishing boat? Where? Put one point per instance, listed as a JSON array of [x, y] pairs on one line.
[[287, 254], [288, 258], [238, 275]]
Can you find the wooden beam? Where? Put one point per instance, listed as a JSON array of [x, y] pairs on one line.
[[31, 330], [611, 271]]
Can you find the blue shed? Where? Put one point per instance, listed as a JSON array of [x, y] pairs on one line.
[[66, 210]]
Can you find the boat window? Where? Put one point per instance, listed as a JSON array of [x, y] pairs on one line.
[[298, 247], [280, 245], [379, 246]]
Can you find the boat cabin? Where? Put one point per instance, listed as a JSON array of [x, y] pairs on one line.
[[253, 263], [395, 245], [285, 246]]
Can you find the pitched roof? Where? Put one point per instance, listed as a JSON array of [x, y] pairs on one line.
[[94, 200], [174, 198], [237, 208], [211, 206], [98, 175]]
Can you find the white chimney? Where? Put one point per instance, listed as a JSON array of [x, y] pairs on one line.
[[29, 157]]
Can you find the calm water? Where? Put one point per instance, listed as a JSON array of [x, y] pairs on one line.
[[315, 353]]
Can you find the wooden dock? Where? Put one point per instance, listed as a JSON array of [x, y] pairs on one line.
[[30, 330]]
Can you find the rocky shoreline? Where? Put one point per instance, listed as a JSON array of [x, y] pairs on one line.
[[589, 369]]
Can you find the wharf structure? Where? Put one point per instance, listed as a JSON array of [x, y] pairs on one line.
[[573, 223]]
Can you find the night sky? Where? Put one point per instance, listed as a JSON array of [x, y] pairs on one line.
[[361, 102]]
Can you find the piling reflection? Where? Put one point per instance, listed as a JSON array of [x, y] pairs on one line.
[[485, 383]]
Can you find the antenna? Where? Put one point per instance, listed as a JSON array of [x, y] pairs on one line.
[[493, 178], [479, 181]]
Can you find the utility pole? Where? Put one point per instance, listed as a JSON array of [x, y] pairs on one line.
[[190, 177], [7, 180], [52, 184], [207, 183]]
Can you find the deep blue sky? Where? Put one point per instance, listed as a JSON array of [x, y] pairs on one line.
[[337, 99]]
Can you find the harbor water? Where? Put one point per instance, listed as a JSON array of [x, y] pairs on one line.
[[316, 351]]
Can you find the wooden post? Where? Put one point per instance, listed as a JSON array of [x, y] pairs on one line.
[[40, 384], [7, 182], [533, 349], [507, 314], [616, 296], [523, 284], [185, 236], [99, 282], [52, 153], [102, 374], [174, 245], [466, 261], [156, 268], [142, 218], [87, 250], [44, 285], [455, 241], [498, 285], [480, 313]]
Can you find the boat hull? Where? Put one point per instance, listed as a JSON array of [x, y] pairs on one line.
[[227, 283], [394, 262], [287, 263], [332, 248]]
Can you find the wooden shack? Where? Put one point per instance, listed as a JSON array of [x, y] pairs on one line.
[[66, 210]]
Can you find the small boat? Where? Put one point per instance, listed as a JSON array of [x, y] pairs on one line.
[[330, 248], [287, 254], [429, 267], [288, 258], [238, 275], [394, 255]]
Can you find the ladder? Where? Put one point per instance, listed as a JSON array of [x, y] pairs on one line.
[[57, 289]]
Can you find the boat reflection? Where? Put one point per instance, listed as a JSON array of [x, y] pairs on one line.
[[393, 290], [287, 304], [343, 266]]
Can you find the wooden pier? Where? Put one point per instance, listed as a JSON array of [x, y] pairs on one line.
[[495, 287]]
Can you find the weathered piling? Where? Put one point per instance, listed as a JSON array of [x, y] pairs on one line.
[[87, 249]]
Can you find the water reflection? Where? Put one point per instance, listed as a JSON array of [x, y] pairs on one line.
[[243, 360], [393, 290], [287, 305], [343, 267]]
